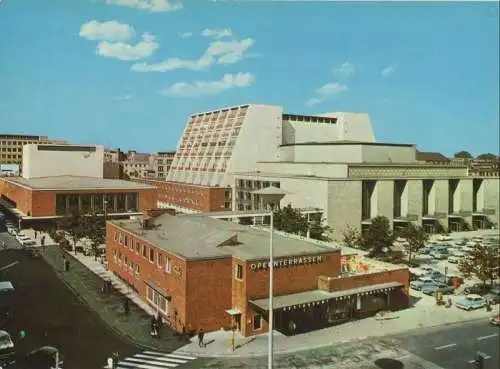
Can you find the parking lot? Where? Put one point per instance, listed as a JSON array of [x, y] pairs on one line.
[[50, 314]]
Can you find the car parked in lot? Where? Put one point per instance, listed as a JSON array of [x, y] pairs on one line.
[[454, 259], [46, 357], [493, 296], [495, 320], [7, 350], [471, 302], [438, 255], [26, 241], [430, 289], [421, 282], [479, 288]]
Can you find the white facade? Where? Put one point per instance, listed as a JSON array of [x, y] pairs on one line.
[[63, 160], [218, 143]]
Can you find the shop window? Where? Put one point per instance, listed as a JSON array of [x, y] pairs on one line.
[[109, 201], [168, 265], [120, 203], [239, 272], [97, 203], [73, 202], [257, 322], [132, 202], [151, 255], [86, 203]]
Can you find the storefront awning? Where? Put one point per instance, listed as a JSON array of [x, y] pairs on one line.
[[318, 297], [158, 289], [233, 311]]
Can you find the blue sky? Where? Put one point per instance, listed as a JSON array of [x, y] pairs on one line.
[[127, 73]]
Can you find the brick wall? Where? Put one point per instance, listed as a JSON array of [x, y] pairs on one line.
[[18, 194], [208, 294], [201, 198], [173, 282]]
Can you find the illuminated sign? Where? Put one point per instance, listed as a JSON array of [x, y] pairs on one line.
[[288, 262]]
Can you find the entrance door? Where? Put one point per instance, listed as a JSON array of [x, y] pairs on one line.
[[237, 322]]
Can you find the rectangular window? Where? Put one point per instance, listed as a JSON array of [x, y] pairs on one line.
[[239, 272], [109, 201], [159, 260], [73, 202], [97, 203], [86, 203], [150, 293], [131, 244], [121, 239], [120, 203], [257, 322], [137, 270], [137, 248], [116, 236], [168, 265], [143, 251], [125, 240], [61, 208], [132, 202], [151, 255]]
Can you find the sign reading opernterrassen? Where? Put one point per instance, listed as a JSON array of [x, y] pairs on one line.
[[288, 262]]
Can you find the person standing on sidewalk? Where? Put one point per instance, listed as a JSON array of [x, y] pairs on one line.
[[201, 335]]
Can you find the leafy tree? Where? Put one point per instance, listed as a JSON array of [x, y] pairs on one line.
[[463, 155], [483, 263], [291, 220], [318, 229], [73, 227], [487, 156], [95, 230], [379, 236], [352, 237], [416, 238]]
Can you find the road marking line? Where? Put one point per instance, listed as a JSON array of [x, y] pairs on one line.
[[160, 358], [445, 346], [486, 337], [123, 364], [170, 355]]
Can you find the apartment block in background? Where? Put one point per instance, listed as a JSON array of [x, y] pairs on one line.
[[11, 146], [160, 163]]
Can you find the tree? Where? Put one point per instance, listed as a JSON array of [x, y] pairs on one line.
[[416, 238], [318, 230], [291, 220], [463, 155], [73, 227], [352, 237], [483, 263], [95, 231], [488, 156], [378, 239]]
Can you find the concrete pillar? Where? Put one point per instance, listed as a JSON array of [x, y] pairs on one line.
[[439, 200], [383, 199], [344, 201], [463, 199], [492, 199], [412, 199]]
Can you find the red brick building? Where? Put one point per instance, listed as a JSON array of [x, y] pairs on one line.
[[200, 272], [39, 199], [193, 197]]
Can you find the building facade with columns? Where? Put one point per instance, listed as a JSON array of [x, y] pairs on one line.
[[368, 179]]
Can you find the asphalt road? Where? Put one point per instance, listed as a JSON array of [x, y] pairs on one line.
[[51, 315], [445, 347]]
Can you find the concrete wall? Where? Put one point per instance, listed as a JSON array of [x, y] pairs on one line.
[[388, 154], [491, 198], [414, 196], [463, 195], [297, 131], [438, 200], [67, 161], [353, 126], [304, 169], [344, 206]]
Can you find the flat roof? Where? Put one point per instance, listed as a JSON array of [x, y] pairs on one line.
[[307, 297], [69, 183], [342, 142], [197, 237]]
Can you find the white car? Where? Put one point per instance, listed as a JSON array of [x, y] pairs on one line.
[[454, 259], [20, 235], [12, 231], [444, 238], [458, 254], [26, 241]]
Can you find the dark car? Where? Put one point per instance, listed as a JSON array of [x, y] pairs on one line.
[[477, 289], [493, 296], [7, 350], [46, 357]]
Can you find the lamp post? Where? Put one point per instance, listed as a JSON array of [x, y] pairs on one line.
[[105, 211], [270, 196]]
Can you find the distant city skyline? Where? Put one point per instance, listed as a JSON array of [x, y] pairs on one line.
[[127, 74]]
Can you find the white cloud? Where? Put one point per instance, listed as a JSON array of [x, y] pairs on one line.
[[123, 97], [386, 72], [200, 88], [217, 33], [218, 52], [124, 51], [110, 31], [154, 6], [185, 34], [345, 69], [325, 92]]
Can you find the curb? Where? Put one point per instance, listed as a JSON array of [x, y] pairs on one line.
[[80, 297], [323, 345]]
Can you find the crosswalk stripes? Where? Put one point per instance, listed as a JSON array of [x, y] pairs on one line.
[[153, 360]]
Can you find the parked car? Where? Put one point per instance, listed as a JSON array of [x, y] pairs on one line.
[[444, 238], [453, 259], [26, 241], [471, 302], [419, 283], [478, 289], [493, 296], [7, 350], [438, 255], [12, 231], [430, 289], [495, 320], [46, 357], [434, 274]]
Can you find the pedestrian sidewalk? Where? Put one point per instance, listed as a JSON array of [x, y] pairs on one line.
[[422, 315]]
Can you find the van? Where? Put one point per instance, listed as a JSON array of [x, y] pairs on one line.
[[6, 301]]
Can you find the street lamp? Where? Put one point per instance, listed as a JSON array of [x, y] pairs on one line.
[[105, 210], [271, 196]]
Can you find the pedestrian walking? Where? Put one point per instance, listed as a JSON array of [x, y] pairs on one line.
[[126, 306], [116, 359], [36, 235], [154, 327], [201, 335], [42, 243]]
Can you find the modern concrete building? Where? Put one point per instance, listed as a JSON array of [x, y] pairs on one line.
[[160, 163], [57, 160], [11, 146]]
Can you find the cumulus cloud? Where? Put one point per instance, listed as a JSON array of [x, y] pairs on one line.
[[201, 88], [346, 69], [217, 33], [109, 31], [218, 52], [387, 71], [154, 6], [325, 92], [125, 51], [185, 34]]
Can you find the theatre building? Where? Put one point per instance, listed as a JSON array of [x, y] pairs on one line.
[[204, 273]]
